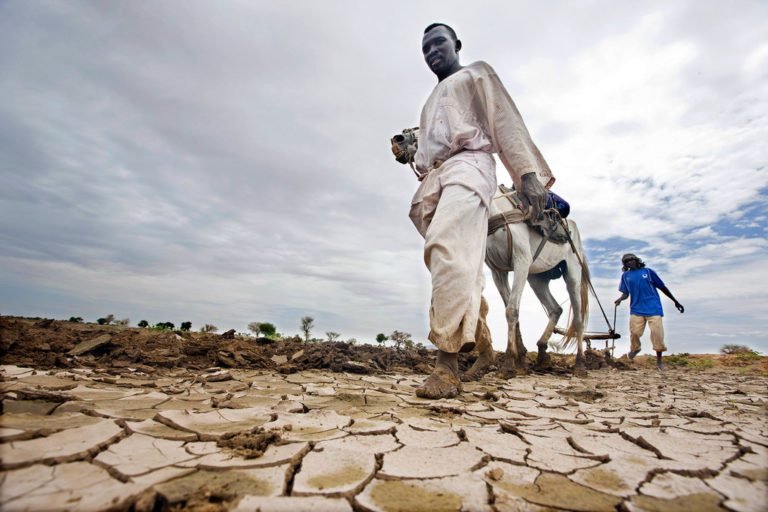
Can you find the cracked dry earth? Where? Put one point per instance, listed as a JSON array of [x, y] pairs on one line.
[[82, 439]]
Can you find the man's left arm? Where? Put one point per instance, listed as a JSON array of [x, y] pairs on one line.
[[513, 143], [658, 283], [668, 293]]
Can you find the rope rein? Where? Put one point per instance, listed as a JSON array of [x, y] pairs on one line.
[[589, 279]]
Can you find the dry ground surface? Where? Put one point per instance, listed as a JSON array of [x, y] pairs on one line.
[[109, 418]]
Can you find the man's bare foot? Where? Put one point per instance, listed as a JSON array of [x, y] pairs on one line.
[[443, 383], [484, 360]]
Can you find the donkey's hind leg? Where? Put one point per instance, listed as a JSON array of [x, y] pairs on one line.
[[573, 283], [540, 286]]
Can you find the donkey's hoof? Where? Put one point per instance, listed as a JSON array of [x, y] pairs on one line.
[[579, 371], [508, 373], [543, 361]]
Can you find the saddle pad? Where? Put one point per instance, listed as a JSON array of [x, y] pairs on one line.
[[508, 208]]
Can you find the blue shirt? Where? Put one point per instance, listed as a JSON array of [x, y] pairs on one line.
[[641, 285]]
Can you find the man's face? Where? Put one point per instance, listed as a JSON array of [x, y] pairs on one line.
[[630, 263], [439, 50]]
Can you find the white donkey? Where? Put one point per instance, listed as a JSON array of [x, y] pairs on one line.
[[518, 247]]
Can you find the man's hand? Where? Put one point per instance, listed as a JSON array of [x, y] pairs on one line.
[[534, 195], [618, 301], [679, 307]]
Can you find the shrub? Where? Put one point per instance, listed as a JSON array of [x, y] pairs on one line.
[[186, 326], [76, 319], [678, 359], [209, 328], [701, 364], [748, 357], [381, 338], [732, 349], [332, 336], [143, 324]]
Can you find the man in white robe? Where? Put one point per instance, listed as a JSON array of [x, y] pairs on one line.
[[468, 117]]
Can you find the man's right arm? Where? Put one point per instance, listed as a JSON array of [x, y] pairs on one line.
[[624, 289]]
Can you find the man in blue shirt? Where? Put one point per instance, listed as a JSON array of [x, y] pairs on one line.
[[640, 283]]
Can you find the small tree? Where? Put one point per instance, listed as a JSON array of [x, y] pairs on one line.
[[332, 336], [381, 338], [268, 329], [143, 324], [307, 323], [398, 338], [123, 322], [109, 318], [352, 341], [186, 326], [209, 328], [255, 328], [76, 319], [102, 321]]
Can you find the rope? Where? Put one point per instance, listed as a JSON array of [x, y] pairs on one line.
[[589, 281]]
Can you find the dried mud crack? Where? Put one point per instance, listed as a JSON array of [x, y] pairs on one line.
[[159, 421]]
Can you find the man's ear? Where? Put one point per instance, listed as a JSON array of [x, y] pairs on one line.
[[458, 45]]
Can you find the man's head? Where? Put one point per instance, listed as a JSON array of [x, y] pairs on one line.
[[440, 48], [630, 262]]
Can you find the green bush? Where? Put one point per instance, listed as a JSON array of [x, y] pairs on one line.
[[678, 359], [702, 363], [748, 357]]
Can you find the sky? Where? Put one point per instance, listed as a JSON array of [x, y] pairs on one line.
[[229, 162]]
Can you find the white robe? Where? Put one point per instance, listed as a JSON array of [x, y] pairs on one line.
[[468, 117]]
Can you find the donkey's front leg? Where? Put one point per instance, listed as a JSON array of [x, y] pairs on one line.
[[515, 355]]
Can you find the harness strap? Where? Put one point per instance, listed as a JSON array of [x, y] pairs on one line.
[[539, 248]]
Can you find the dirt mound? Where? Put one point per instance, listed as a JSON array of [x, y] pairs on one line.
[[46, 343], [248, 445]]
